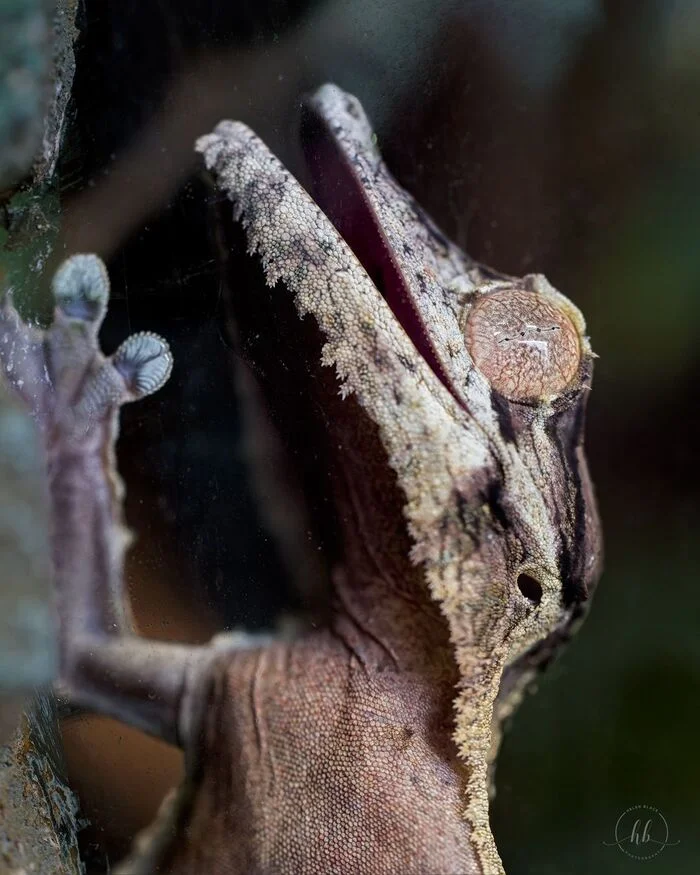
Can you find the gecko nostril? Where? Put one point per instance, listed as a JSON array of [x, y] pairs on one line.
[[530, 588]]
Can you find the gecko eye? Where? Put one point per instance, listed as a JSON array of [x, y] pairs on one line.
[[526, 347]]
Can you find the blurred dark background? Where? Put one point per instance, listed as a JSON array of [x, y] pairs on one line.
[[557, 136]]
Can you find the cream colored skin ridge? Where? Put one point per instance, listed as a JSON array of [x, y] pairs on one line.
[[436, 444]]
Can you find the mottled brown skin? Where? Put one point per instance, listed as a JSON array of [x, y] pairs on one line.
[[468, 541]]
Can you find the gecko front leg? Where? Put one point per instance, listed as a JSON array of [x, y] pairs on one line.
[[74, 394]]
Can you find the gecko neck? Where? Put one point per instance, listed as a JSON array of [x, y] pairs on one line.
[[385, 614], [384, 600]]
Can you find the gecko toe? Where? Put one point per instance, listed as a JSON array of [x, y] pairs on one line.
[[140, 366], [144, 361], [81, 288]]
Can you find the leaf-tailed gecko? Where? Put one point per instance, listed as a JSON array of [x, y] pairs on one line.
[[471, 536]]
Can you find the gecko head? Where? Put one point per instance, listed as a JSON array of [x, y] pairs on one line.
[[513, 366]]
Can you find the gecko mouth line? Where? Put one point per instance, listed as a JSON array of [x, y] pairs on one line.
[[339, 189]]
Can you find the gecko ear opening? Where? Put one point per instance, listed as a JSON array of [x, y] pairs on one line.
[[530, 588]]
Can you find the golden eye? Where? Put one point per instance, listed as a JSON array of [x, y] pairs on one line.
[[526, 347]]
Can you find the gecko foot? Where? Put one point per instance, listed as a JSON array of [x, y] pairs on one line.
[[69, 385]]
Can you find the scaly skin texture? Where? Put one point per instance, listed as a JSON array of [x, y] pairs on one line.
[[349, 765], [469, 540]]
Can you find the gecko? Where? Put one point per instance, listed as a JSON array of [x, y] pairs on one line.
[[455, 401]]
